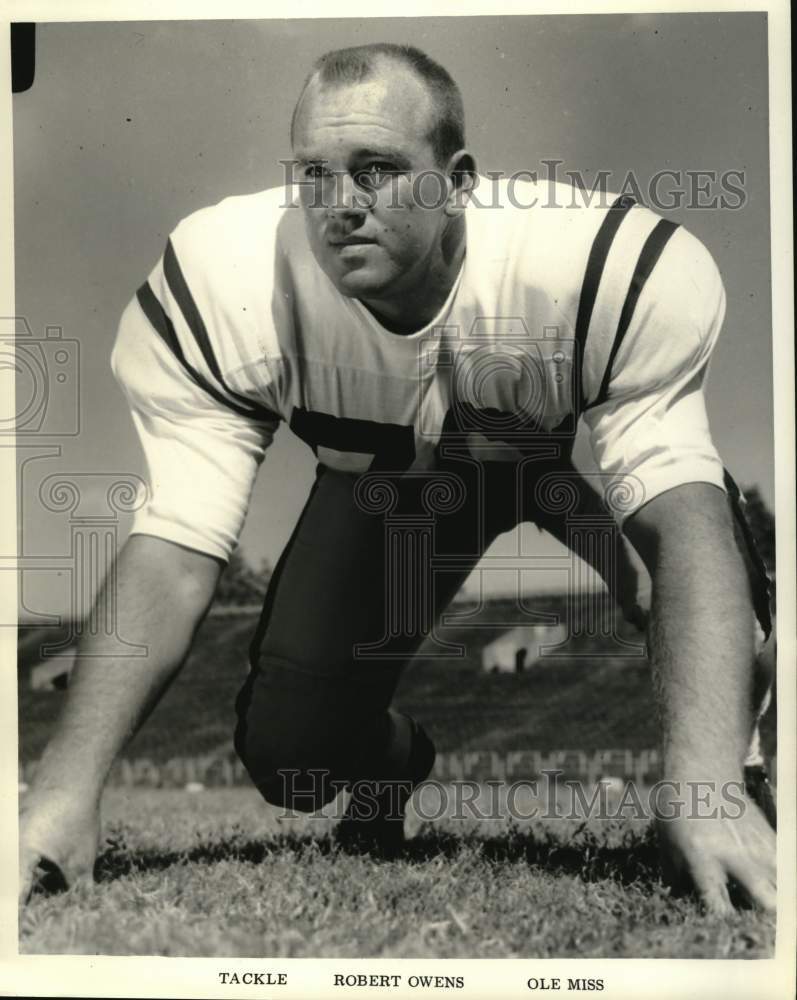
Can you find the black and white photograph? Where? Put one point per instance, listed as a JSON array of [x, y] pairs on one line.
[[399, 554]]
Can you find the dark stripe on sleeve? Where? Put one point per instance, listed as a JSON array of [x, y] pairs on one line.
[[651, 251], [592, 277], [160, 321], [156, 314], [185, 300]]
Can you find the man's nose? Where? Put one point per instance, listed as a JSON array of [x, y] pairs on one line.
[[349, 198]]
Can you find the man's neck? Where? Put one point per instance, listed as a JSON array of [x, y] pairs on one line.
[[411, 311]]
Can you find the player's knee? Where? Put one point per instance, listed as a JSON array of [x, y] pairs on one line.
[[294, 789], [285, 779], [291, 765]]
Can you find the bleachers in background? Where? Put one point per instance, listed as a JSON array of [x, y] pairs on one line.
[[588, 696]]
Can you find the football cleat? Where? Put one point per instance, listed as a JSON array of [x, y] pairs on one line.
[[374, 819]]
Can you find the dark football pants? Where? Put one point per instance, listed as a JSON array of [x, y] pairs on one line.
[[312, 715]]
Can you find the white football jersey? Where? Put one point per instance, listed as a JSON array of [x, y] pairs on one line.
[[562, 308]]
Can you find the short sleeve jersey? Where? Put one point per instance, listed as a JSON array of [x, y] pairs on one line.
[[565, 306]]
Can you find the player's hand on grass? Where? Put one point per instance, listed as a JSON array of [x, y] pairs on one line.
[[58, 841], [709, 854]]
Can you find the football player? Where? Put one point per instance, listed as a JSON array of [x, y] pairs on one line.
[[436, 353]]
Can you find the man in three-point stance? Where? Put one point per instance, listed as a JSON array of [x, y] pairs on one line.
[[417, 340]]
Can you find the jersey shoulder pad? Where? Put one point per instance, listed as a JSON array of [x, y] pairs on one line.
[[209, 293], [232, 238], [642, 268]]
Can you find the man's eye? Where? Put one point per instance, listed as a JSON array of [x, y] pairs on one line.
[[374, 175], [315, 170]]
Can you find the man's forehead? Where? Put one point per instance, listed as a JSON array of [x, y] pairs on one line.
[[389, 103]]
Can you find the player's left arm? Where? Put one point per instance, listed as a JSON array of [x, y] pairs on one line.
[[653, 427], [701, 652]]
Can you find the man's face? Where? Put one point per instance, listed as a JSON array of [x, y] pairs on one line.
[[371, 189]]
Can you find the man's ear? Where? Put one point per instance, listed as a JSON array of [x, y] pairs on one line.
[[461, 171]]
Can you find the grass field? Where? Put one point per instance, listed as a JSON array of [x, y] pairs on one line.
[[219, 874]]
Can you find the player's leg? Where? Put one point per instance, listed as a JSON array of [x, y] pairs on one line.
[[314, 713], [570, 506], [304, 715], [374, 818]]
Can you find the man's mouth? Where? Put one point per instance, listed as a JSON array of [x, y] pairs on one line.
[[351, 241]]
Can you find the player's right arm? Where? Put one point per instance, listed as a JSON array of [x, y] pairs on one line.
[[202, 451], [162, 594]]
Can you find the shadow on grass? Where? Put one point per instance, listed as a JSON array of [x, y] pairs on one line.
[[119, 860], [583, 855]]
